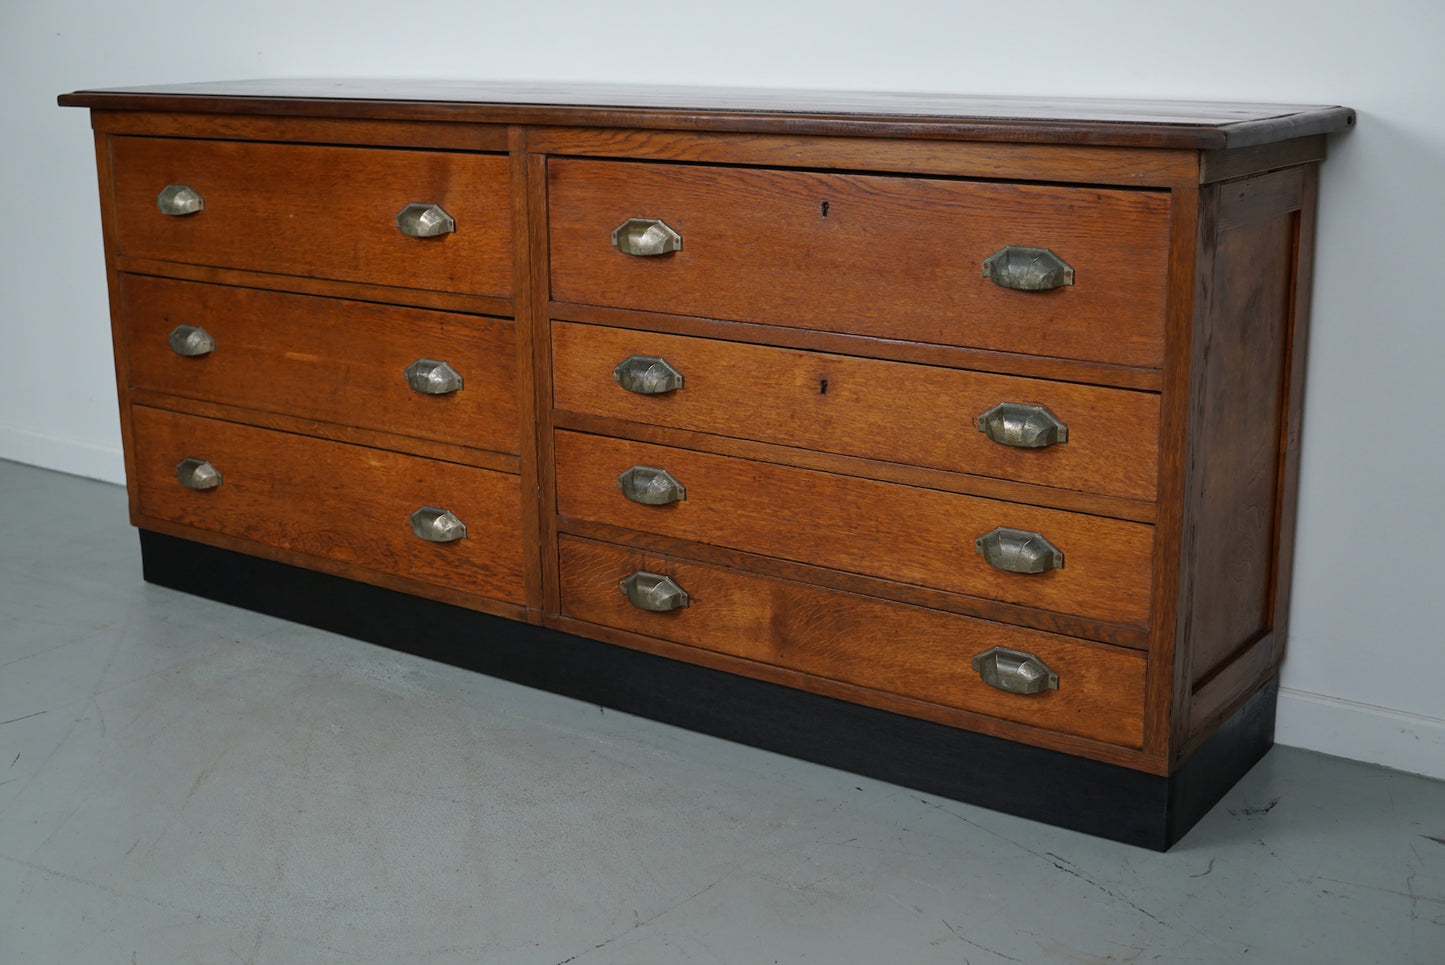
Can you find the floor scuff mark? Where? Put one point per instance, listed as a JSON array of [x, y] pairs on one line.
[[1252, 811]]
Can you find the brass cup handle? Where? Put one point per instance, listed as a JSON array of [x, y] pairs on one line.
[[647, 375], [1027, 269], [1018, 551], [651, 486], [433, 377], [1014, 671], [1022, 426], [653, 592], [436, 525], [197, 474], [191, 341], [645, 238], [423, 220], [179, 200]]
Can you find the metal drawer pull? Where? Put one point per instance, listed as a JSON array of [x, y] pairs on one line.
[[422, 220], [1027, 269], [198, 474], [647, 375], [1018, 551], [191, 341], [178, 200], [653, 592], [651, 486], [1015, 671], [1022, 426], [433, 377], [645, 237], [437, 525]]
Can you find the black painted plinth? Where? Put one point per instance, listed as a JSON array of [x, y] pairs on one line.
[[1101, 799]]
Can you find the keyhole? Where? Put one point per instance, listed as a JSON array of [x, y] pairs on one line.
[[822, 386], [825, 209]]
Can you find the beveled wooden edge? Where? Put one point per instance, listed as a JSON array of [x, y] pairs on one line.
[[1191, 253], [502, 462], [1291, 426], [1097, 121], [530, 330], [119, 330], [1094, 504], [1099, 631], [1242, 162], [925, 353], [362, 132], [1124, 166], [497, 308], [350, 571], [1090, 748]]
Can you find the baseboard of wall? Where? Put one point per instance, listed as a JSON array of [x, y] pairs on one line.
[[105, 463], [1400, 741]]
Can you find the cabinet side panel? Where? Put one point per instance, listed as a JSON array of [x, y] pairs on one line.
[[1241, 358]]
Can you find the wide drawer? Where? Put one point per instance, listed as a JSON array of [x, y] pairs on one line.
[[903, 533], [334, 501], [326, 212], [893, 257], [902, 650], [327, 359], [894, 411]]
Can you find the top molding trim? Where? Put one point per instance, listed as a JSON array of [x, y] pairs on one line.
[[1201, 125]]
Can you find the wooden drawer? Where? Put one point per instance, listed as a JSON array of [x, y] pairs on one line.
[[894, 411], [901, 650], [893, 257], [902, 533], [331, 500], [325, 212], [326, 359]]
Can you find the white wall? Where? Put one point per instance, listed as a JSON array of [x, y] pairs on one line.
[[1367, 657]]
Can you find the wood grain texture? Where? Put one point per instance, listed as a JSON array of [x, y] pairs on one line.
[[999, 611], [1137, 167], [336, 432], [905, 651], [874, 409], [323, 287], [1008, 490], [1064, 120], [332, 501], [327, 359], [844, 343], [363, 132], [1237, 425], [326, 212], [888, 257], [899, 533]]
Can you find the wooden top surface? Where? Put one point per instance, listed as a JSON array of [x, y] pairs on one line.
[[1135, 123]]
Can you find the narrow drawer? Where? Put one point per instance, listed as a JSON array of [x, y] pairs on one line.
[[903, 533], [325, 212], [894, 411], [891, 257], [327, 359], [334, 501], [902, 650]]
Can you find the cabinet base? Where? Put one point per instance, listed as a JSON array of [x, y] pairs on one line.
[[1101, 799]]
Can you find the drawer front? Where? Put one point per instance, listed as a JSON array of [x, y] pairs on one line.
[[325, 212], [903, 650], [892, 257], [903, 533], [334, 501], [327, 359], [893, 411]]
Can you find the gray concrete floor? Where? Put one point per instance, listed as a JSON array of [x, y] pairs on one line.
[[182, 781]]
